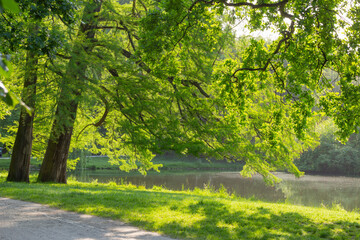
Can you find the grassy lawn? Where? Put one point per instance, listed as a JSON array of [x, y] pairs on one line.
[[4, 163], [169, 162], [198, 214]]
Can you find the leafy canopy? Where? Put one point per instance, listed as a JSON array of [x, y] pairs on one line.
[[174, 75]]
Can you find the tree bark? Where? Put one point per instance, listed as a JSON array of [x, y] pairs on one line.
[[53, 168], [20, 159]]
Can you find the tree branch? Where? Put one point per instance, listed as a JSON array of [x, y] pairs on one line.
[[109, 27], [63, 56], [144, 6], [103, 118], [280, 5], [197, 85], [287, 36]]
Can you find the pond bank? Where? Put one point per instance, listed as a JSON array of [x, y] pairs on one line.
[[309, 190], [169, 162]]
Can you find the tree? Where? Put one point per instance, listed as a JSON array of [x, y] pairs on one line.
[[273, 87], [53, 167], [37, 42], [20, 159], [258, 112], [109, 51], [176, 97], [162, 75]]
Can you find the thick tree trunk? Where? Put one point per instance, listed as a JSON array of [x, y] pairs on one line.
[[53, 168], [20, 159]]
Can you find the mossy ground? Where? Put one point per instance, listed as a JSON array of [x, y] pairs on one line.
[[198, 214]]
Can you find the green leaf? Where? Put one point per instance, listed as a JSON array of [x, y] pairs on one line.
[[10, 5], [8, 97], [5, 65], [11, 99]]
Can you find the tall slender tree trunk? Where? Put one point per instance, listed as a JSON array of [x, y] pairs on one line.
[[53, 168], [20, 159]]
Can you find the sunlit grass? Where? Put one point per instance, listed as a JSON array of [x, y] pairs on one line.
[[198, 214]]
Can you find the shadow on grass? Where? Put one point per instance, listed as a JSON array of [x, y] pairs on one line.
[[186, 216], [220, 222]]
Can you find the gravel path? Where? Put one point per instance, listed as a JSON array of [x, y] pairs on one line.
[[21, 220]]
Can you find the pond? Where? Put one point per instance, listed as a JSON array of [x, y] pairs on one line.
[[309, 190]]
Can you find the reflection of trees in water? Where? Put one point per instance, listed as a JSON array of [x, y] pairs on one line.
[[316, 193], [308, 191]]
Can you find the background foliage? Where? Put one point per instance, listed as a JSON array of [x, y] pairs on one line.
[[331, 156]]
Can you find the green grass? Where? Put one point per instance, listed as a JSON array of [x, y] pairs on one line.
[[99, 163], [173, 161], [169, 161], [198, 214], [4, 163]]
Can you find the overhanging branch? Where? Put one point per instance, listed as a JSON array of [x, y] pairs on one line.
[[103, 118], [281, 5], [287, 35]]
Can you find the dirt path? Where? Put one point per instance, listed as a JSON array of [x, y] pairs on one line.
[[29, 221]]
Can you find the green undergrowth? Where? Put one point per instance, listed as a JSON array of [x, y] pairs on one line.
[[197, 214]]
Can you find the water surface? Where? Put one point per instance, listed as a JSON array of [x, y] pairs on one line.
[[308, 190]]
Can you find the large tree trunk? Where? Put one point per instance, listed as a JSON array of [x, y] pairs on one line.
[[53, 168], [20, 159]]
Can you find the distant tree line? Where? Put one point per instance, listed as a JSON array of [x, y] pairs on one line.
[[331, 156]]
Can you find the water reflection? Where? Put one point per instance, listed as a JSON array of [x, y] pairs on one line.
[[308, 190], [322, 190]]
